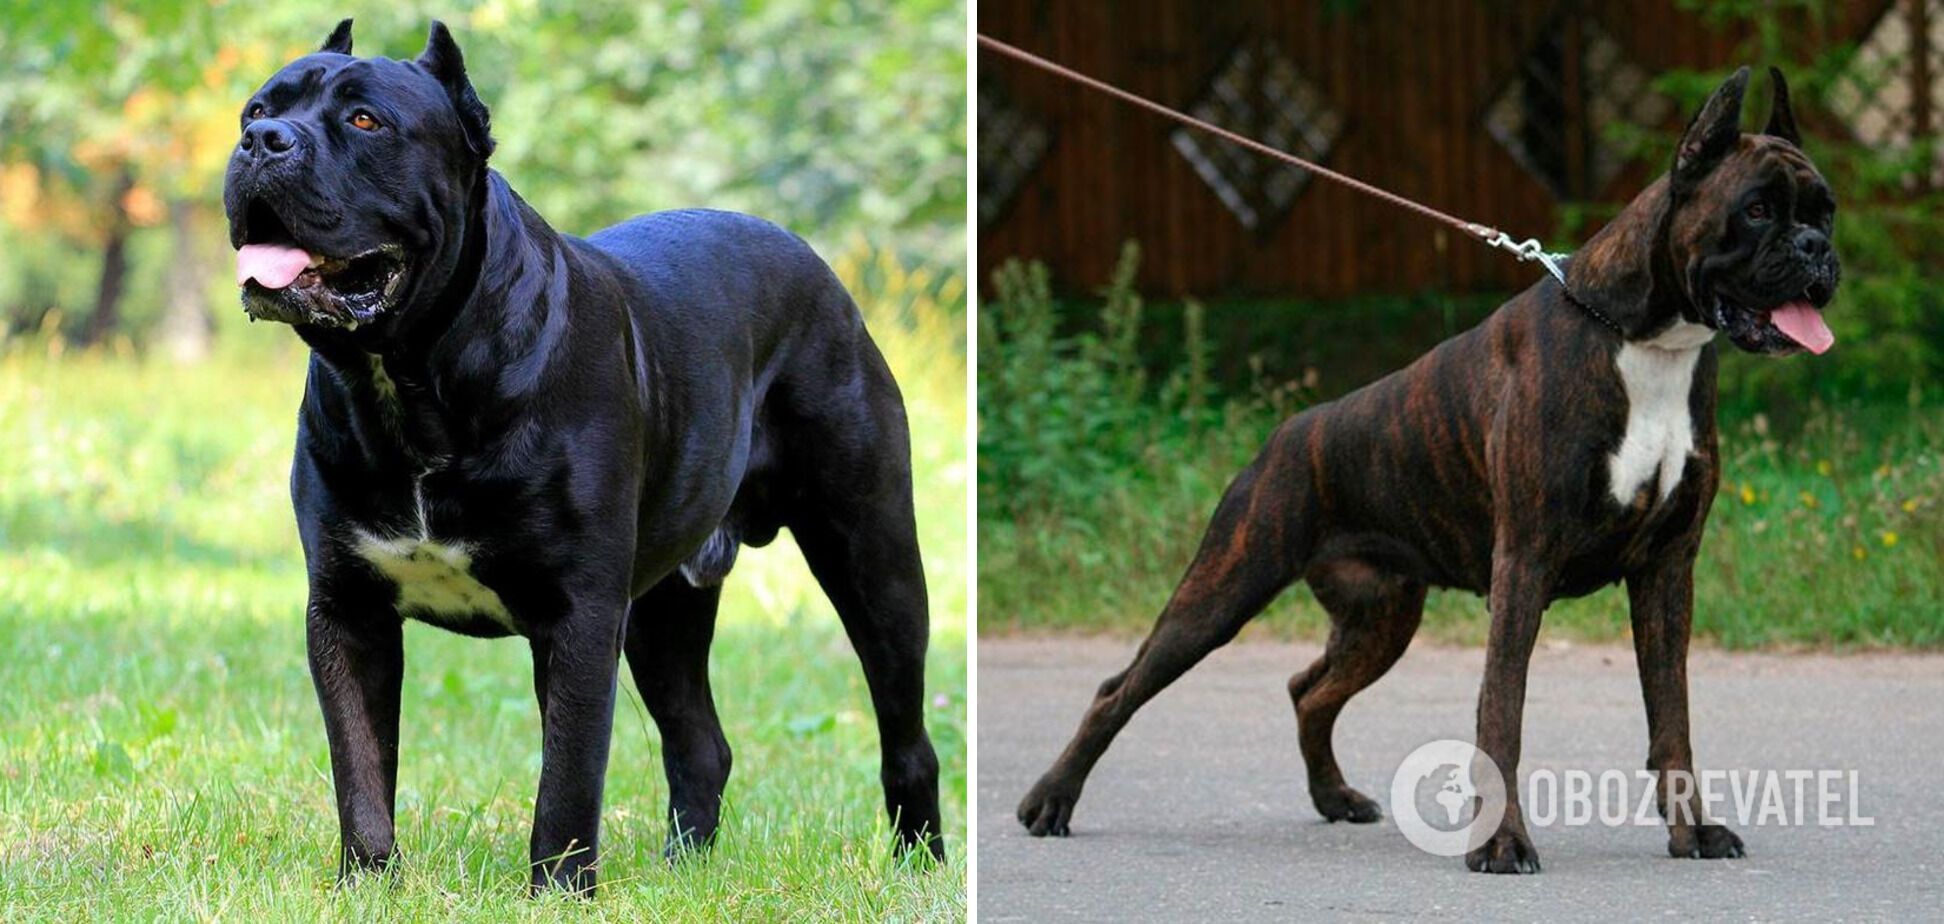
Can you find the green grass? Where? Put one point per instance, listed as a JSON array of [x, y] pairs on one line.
[[1829, 533], [1108, 431], [161, 751]]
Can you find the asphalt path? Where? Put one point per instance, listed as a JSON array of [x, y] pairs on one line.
[[1200, 811]]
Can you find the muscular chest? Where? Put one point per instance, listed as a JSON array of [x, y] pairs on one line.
[[413, 507], [1658, 435], [472, 512], [431, 562], [428, 551]]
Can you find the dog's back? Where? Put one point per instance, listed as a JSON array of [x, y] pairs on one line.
[[780, 283]]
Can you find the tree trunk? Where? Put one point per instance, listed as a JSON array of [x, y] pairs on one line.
[[186, 322], [106, 318]]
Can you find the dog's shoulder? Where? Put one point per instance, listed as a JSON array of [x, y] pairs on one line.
[[682, 235], [731, 273]]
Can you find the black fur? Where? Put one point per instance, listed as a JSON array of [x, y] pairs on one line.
[[590, 427]]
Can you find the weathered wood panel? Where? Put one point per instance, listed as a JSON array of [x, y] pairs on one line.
[[1412, 82]]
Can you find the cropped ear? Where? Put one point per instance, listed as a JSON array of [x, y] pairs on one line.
[[441, 59], [1713, 133], [340, 40], [1781, 123]]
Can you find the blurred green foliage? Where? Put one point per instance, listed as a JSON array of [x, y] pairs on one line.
[[1096, 483], [1099, 463], [1889, 314], [161, 756], [1057, 410], [839, 119]]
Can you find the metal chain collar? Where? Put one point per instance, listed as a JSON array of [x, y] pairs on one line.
[[1530, 250]]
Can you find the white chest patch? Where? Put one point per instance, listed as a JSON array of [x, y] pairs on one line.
[[435, 579], [1658, 374]]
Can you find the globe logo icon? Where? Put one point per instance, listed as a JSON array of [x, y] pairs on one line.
[[1456, 793], [1458, 776]]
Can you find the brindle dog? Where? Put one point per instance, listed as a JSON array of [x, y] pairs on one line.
[[1565, 444]]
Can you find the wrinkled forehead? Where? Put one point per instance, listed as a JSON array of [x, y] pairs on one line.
[[1768, 164], [325, 76]]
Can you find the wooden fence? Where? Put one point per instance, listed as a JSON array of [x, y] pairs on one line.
[[1494, 110]]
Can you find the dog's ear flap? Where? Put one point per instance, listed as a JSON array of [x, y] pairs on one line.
[[340, 40], [1781, 123], [441, 59], [1713, 133]]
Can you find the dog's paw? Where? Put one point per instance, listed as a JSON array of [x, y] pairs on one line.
[[1705, 842], [1508, 851], [1047, 809], [1341, 803], [676, 850], [357, 861], [691, 834]]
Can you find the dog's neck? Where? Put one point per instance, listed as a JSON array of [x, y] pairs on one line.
[[508, 259], [507, 289], [1626, 272], [519, 273]]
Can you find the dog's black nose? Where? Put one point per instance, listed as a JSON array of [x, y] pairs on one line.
[[269, 137], [1811, 244]]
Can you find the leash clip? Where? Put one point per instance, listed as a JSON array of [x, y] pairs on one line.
[[1527, 250]]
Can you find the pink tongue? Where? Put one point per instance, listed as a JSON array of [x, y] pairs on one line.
[[271, 266], [1804, 325]]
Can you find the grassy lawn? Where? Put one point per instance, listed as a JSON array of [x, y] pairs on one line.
[[1828, 533], [161, 751]]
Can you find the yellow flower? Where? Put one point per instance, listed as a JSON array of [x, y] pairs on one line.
[[1859, 553], [1910, 506], [1889, 538], [1808, 500], [1823, 468], [1748, 495], [1883, 471]]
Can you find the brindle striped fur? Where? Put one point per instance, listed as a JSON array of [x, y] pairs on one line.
[[1483, 466]]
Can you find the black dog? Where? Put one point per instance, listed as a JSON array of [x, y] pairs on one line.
[[510, 431], [1565, 444]]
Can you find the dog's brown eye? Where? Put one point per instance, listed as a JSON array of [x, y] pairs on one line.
[[1758, 211], [256, 111], [363, 121]]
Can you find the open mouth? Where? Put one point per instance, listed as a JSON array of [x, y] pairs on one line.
[[1793, 325], [282, 281]]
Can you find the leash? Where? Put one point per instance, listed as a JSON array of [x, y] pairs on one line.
[[1527, 250]]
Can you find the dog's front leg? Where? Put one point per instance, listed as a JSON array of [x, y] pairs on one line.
[[575, 664], [1520, 590], [1661, 598], [357, 664]]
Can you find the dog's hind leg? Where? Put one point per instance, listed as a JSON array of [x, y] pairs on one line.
[[669, 631], [1254, 547], [855, 525], [1373, 617]]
